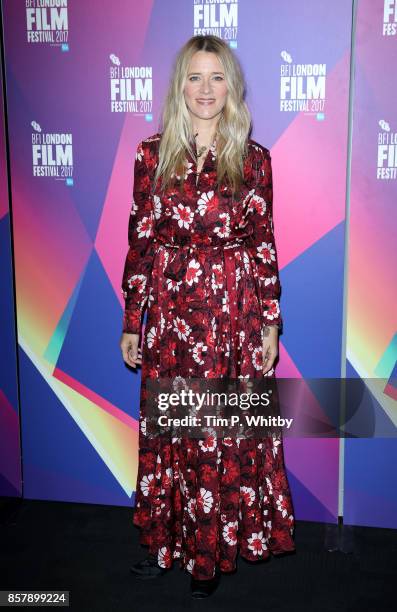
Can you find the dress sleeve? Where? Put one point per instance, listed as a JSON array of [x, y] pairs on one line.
[[263, 243], [139, 259]]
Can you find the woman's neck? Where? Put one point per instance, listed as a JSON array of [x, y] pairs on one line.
[[204, 134]]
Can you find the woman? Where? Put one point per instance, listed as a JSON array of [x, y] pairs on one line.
[[203, 261]]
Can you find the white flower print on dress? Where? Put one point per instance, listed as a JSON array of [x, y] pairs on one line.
[[164, 557], [138, 282], [266, 252], [257, 543], [151, 336], [134, 208], [248, 495], [173, 285], [257, 358], [144, 227], [147, 484], [191, 508], [182, 484], [216, 278], [276, 444], [269, 280], [257, 203], [230, 533], [246, 262], [157, 206], [183, 214], [208, 444], [223, 231], [197, 353], [213, 328], [206, 202], [139, 152], [281, 505], [167, 478], [205, 500], [181, 328], [162, 323], [193, 272], [273, 309]]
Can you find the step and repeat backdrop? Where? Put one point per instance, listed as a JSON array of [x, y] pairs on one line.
[[10, 455], [370, 482], [85, 82]]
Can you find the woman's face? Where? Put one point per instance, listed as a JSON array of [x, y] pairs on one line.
[[205, 88]]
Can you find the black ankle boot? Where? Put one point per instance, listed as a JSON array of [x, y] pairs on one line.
[[148, 568], [204, 588]]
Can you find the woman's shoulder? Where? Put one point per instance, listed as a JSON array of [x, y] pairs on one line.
[[151, 141], [153, 138], [149, 146], [256, 147]]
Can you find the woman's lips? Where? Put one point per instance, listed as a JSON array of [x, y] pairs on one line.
[[205, 102]]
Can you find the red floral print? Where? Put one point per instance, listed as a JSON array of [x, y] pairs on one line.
[[203, 265]]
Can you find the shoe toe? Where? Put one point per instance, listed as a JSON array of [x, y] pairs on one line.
[[204, 588], [147, 568]]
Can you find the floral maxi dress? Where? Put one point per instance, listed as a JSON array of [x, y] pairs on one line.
[[204, 266]]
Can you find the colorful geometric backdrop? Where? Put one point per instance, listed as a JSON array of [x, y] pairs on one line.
[[85, 83]]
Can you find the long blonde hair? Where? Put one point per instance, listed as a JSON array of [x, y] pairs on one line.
[[233, 127]]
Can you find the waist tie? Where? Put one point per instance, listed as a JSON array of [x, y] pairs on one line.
[[177, 265]]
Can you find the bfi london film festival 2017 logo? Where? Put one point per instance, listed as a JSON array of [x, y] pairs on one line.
[[389, 18], [302, 87], [52, 154], [47, 22], [387, 153], [216, 18], [131, 88]]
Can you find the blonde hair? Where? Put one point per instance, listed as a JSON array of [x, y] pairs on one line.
[[233, 126]]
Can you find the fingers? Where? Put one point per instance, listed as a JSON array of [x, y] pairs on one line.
[[131, 352], [132, 358], [269, 357]]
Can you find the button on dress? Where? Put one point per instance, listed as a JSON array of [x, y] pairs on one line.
[[203, 265]]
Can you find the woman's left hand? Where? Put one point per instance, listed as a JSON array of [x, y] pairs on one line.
[[270, 347]]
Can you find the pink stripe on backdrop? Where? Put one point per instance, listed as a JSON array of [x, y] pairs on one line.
[[309, 172], [96, 399]]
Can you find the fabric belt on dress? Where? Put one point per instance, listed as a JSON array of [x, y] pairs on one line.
[[177, 265]]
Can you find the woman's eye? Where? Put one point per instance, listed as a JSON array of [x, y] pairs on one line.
[[193, 78]]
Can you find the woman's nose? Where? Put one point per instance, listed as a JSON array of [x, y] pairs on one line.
[[205, 86]]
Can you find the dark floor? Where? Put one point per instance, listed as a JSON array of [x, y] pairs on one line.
[[87, 549]]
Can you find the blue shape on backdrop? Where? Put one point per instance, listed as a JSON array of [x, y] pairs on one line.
[[63, 465], [8, 363], [312, 307], [91, 351]]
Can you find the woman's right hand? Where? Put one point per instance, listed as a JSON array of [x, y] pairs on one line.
[[132, 354]]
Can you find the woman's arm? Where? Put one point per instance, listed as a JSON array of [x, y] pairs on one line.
[[139, 260], [263, 242]]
